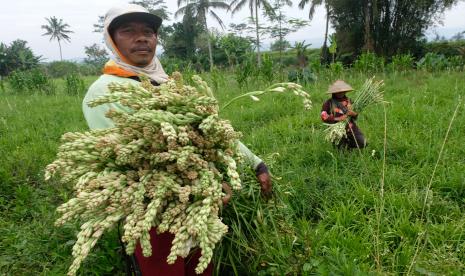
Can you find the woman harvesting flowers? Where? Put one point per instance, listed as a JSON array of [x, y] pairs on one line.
[[339, 109]]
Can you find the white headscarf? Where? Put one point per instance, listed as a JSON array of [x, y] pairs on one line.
[[154, 70]]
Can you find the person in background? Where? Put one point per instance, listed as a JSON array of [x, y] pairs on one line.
[[130, 32], [339, 108]]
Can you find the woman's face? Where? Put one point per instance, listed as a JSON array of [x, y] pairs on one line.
[[340, 95]]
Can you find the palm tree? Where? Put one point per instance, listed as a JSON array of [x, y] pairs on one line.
[[57, 29], [311, 12], [253, 6], [301, 53], [201, 8]]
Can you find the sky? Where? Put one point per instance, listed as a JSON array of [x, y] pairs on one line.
[[22, 19]]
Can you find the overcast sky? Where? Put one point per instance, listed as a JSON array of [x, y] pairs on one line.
[[21, 19]]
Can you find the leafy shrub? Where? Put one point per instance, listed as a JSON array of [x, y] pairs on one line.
[[288, 60], [303, 76], [60, 69], [17, 56], [18, 81], [89, 70], [433, 62], [235, 48], [74, 85], [171, 64], [447, 48], [401, 63], [369, 62], [34, 80]]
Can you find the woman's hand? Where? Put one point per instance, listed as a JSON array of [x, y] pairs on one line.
[[352, 113], [341, 118]]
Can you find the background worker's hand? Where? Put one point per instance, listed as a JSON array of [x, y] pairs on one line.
[[228, 193]]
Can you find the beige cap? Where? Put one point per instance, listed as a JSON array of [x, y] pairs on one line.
[[130, 12], [339, 86]]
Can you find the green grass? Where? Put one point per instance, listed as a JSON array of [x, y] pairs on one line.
[[331, 216]]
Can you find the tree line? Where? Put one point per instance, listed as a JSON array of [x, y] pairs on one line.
[[384, 27]]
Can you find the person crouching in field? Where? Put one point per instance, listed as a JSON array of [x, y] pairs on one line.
[[130, 32], [339, 108]]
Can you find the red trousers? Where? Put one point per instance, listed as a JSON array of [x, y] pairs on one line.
[[156, 264]]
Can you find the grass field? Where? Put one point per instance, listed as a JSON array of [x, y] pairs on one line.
[[393, 211]]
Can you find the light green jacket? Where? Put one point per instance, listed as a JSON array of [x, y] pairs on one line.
[[96, 119]]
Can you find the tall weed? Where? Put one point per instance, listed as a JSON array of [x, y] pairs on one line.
[[217, 78], [456, 63], [244, 72], [74, 85], [336, 69], [267, 70]]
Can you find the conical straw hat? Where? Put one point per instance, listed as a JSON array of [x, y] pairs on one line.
[[339, 86]]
